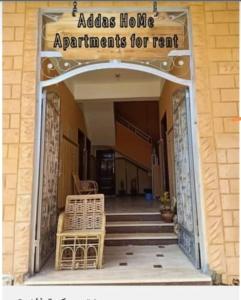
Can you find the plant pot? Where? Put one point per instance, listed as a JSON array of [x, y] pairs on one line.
[[167, 216]]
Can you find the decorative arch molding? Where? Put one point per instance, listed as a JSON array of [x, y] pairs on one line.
[[115, 65]]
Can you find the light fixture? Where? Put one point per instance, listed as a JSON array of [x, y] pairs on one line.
[[171, 17], [66, 64], [180, 62], [50, 66], [164, 63], [155, 12], [75, 9]]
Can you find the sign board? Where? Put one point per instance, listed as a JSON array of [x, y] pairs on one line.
[[125, 36]]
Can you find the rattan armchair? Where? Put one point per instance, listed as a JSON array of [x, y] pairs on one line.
[[81, 233], [82, 187]]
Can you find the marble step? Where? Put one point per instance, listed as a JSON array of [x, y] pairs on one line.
[[138, 227], [136, 216], [122, 239]]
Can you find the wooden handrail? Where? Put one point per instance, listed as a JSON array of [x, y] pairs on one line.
[[135, 129]]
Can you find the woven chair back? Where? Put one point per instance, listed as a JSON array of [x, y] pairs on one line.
[[84, 212], [77, 184], [84, 186]]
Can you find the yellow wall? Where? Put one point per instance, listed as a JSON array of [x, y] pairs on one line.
[[166, 107], [125, 172], [215, 41], [128, 144]]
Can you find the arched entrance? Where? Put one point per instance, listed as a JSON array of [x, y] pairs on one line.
[[192, 240]]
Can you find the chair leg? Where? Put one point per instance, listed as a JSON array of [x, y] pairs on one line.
[[57, 253], [101, 250]]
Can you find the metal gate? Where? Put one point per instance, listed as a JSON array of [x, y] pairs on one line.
[[184, 177], [49, 168]]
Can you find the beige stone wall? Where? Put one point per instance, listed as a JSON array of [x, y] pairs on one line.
[[215, 42], [215, 38], [216, 59]]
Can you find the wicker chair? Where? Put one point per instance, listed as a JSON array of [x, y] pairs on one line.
[[83, 187], [81, 233]]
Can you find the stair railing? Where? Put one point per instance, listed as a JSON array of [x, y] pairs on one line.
[[135, 129]]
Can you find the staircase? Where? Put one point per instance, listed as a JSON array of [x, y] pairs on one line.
[[133, 143], [138, 229]]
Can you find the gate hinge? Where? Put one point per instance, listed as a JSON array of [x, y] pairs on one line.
[[197, 238], [36, 243]]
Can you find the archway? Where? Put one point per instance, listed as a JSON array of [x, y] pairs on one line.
[[114, 64]]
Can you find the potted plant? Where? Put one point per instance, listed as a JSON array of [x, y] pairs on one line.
[[167, 208]]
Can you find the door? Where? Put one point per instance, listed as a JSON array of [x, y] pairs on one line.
[[106, 171], [184, 177], [68, 165], [48, 185]]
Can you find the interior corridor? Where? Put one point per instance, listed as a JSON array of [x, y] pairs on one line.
[[129, 204]]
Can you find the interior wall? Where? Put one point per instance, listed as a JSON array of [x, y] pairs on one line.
[[99, 121], [143, 114], [71, 119], [129, 175], [166, 107], [129, 144]]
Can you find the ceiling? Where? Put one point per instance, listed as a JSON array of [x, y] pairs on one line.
[[113, 75], [115, 84]]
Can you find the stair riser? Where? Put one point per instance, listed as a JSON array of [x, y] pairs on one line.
[[120, 218], [140, 242], [97, 283], [139, 229], [182, 283]]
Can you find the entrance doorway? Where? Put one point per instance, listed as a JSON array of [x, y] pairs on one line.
[[106, 171], [135, 149], [188, 238]]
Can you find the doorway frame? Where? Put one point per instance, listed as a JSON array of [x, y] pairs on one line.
[[113, 64]]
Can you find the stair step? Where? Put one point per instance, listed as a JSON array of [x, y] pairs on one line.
[[138, 223], [138, 227], [121, 239], [145, 236], [137, 216]]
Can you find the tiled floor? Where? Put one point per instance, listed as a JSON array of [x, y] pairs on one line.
[[128, 265], [130, 204]]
